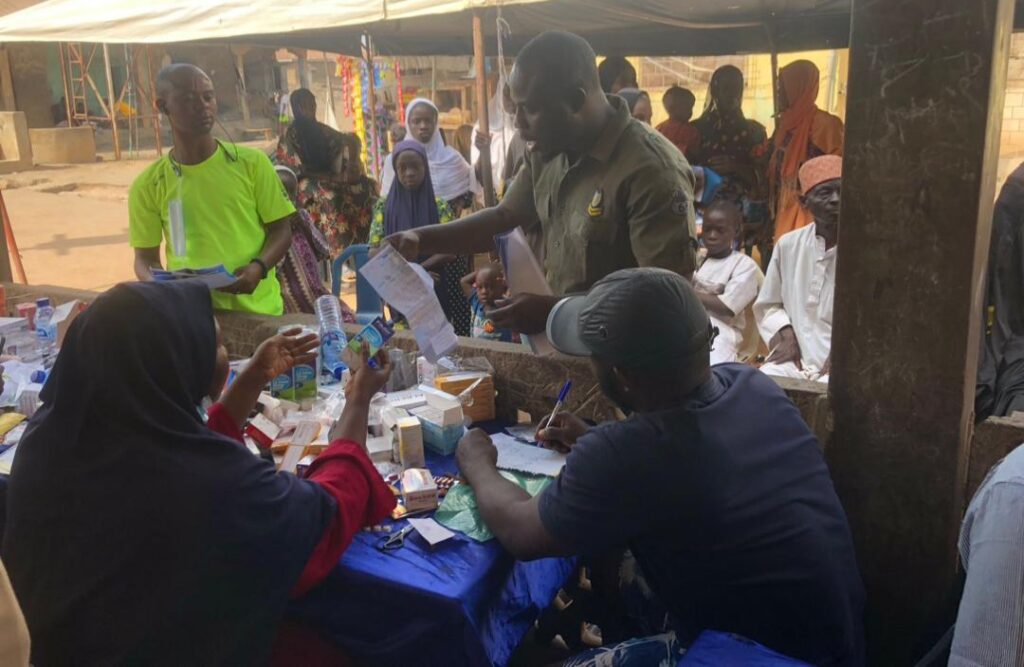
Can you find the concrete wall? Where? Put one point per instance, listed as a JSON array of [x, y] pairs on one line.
[[15, 147], [29, 64]]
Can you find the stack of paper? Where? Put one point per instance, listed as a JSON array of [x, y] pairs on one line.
[[410, 289], [214, 277]]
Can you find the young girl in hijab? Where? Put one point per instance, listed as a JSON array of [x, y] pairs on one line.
[[804, 131], [411, 203], [450, 173], [137, 533]]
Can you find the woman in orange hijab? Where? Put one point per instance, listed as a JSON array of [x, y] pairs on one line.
[[803, 132]]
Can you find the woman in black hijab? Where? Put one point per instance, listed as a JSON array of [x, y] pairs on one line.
[[136, 533]]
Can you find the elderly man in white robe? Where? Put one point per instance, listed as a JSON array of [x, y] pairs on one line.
[[794, 308]]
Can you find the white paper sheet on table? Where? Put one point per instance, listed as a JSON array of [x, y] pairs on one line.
[[410, 289], [524, 276], [433, 532], [514, 455]]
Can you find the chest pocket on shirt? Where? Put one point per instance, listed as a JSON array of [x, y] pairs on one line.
[[596, 221]]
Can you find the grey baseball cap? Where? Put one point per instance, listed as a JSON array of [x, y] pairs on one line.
[[634, 318]]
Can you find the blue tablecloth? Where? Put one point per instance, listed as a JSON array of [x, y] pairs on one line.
[[464, 603]]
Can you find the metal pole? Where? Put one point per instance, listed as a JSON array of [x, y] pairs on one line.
[[483, 120], [371, 97], [111, 102]]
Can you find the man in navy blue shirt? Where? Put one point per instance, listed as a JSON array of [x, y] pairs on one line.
[[714, 483]]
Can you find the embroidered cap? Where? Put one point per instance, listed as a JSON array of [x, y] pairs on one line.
[[817, 171]]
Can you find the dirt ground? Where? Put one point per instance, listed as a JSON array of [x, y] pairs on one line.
[[71, 221]]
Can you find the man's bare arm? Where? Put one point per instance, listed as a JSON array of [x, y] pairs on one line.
[[147, 259], [472, 234]]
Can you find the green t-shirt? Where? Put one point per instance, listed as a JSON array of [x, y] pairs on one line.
[[226, 201]]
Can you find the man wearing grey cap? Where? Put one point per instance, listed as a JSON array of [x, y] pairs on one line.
[[714, 482]]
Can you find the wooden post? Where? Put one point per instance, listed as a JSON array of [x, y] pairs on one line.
[[243, 97], [64, 79], [922, 136], [152, 100], [775, 72], [433, 78], [371, 98], [111, 102], [10, 249], [483, 113]]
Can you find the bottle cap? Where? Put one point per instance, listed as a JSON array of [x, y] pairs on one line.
[[42, 302]]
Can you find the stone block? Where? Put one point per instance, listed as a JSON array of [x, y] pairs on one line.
[[63, 145]]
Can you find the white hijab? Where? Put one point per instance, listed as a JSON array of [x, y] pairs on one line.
[[449, 171]]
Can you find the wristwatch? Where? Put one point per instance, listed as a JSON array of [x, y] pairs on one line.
[[263, 265]]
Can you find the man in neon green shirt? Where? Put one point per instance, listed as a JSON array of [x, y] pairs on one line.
[[209, 202]]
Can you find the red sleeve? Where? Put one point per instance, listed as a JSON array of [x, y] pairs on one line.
[[363, 499], [219, 421]]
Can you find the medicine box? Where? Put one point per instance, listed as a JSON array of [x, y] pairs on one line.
[[379, 448], [442, 440], [409, 434], [446, 406], [419, 490], [482, 408]]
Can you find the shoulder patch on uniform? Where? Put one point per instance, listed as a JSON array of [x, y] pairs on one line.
[[679, 201], [596, 208]]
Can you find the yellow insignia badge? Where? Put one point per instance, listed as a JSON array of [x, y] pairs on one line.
[[596, 207]]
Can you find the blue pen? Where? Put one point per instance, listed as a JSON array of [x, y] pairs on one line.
[[561, 399]]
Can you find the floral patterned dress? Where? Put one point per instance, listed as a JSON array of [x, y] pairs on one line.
[[449, 291], [341, 211]]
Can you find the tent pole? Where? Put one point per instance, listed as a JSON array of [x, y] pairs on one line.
[[111, 106], [152, 103], [775, 73], [433, 79], [483, 121], [12, 254], [64, 80], [371, 96]]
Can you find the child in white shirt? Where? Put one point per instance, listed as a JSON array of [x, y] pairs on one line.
[[728, 281]]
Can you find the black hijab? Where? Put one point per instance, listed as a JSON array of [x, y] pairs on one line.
[[136, 535]]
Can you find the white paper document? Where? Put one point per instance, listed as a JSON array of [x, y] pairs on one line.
[[524, 276], [410, 289], [514, 455], [430, 530]]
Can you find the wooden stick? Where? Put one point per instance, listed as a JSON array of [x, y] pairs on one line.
[[12, 245], [483, 115], [112, 111]]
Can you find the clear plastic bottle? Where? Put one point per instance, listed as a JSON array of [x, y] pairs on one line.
[[332, 340], [46, 331]]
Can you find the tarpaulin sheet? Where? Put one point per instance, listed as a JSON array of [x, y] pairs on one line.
[[715, 649], [462, 603]]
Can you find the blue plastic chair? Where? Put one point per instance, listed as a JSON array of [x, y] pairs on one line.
[[369, 305]]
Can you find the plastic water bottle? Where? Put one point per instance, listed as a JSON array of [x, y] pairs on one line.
[[332, 340], [46, 331]]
